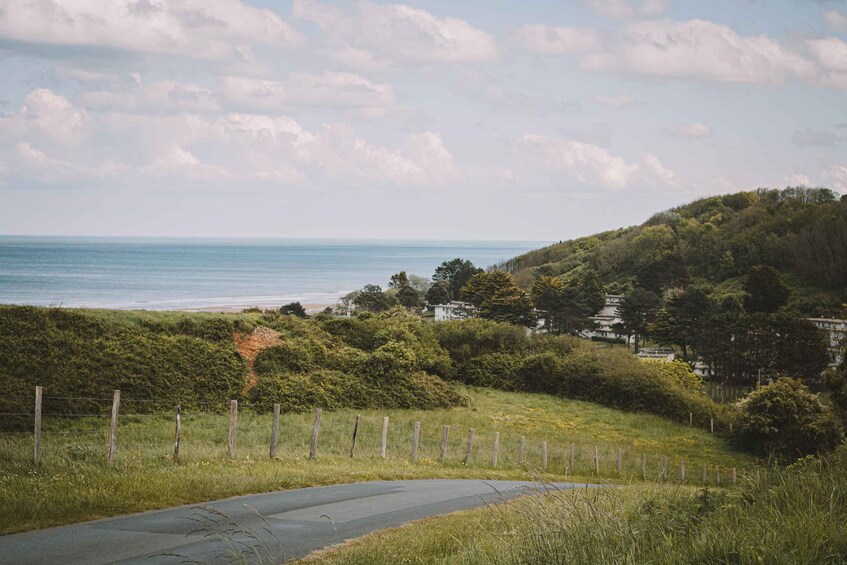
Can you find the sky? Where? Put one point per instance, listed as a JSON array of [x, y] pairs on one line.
[[493, 119]]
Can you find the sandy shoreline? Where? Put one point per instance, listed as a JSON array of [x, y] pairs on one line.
[[311, 308]]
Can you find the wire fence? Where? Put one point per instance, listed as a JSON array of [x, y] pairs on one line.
[[244, 431]]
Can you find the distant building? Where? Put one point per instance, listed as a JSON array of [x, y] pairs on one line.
[[606, 320], [836, 331], [455, 310], [661, 354]]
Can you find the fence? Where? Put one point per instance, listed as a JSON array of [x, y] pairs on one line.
[[244, 431]]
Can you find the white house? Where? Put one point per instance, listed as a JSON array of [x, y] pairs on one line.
[[606, 319], [455, 310], [836, 331]]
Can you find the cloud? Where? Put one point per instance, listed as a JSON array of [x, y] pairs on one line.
[[376, 32], [328, 89], [809, 137], [836, 177], [798, 179], [694, 131], [615, 101], [179, 163], [203, 29], [49, 115], [678, 50], [836, 21], [595, 166], [624, 10], [562, 40], [157, 97]]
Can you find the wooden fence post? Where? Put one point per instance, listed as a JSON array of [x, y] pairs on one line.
[[316, 428], [384, 443], [36, 450], [703, 477], [177, 432], [734, 477], [544, 455], [471, 433], [664, 467], [682, 471], [571, 458], [113, 430], [690, 419], [355, 433], [274, 432], [233, 426], [620, 460], [643, 466], [415, 437], [711, 425], [596, 461], [445, 435], [522, 451], [496, 449]]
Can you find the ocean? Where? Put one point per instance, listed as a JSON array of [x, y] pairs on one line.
[[216, 273]]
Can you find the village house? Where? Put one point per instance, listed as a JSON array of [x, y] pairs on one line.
[[836, 331]]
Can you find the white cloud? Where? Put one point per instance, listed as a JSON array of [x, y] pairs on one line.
[[830, 52], [328, 89], [561, 40], [53, 115], [162, 96], [836, 21], [205, 29], [615, 100], [595, 166], [177, 162], [695, 130], [836, 177], [374, 32], [623, 9], [798, 179], [698, 49]]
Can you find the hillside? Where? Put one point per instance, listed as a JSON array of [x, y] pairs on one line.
[[712, 243]]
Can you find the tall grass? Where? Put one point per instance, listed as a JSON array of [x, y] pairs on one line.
[[782, 516], [73, 483]]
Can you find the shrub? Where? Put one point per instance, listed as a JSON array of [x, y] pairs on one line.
[[679, 371], [495, 370], [464, 339], [291, 356], [786, 421]]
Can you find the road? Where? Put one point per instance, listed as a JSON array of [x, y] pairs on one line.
[[253, 528]]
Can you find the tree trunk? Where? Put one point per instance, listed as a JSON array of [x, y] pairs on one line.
[[636, 343]]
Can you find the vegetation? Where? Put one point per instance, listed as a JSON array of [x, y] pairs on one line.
[[73, 483], [786, 516]]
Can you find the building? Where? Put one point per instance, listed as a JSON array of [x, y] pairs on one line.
[[606, 320], [455, 310], [836, 331], [661, 354]]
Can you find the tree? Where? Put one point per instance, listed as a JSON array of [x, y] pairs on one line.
[[372, 299], [765, 290], [398, 280], [497, 297], [438, 293], [681, 320], [786, 420], [565, 308], [456, 273], [294, 309], [408, 297], [637, 310]]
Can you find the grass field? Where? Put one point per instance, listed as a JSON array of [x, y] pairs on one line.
[[73, 483], [787, 516]]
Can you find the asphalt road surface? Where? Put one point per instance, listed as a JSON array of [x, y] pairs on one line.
[[257, 528]]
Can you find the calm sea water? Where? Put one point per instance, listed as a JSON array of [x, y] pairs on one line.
[[174, 274]]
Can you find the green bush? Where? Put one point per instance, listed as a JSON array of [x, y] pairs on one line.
[[494, 370], [464, 339], [296, 355], [786, 421]]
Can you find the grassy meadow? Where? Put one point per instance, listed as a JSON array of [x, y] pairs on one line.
[[785, 516], [73, 482]]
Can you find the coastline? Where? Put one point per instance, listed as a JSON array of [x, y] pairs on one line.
[[311, 308]]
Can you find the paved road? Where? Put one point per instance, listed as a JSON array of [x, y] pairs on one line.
[[287, 523]]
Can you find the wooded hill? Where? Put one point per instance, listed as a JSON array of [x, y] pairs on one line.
[[713, 243]]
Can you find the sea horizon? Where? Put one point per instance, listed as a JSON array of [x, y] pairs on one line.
[[218, 273]]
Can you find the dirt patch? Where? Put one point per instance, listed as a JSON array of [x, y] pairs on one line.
[[249, 345]]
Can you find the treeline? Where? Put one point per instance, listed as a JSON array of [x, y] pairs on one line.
[[713, 243]]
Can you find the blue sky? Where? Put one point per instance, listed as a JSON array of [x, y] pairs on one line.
[[471, 120]]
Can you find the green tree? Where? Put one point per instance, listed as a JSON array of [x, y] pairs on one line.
[[408, 297], [456, 273], [372, 299], [637, 310], [497, 297], [294, 309], [438, 293], [398, 280], [765, 290], [681, 320], [565, 308]]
